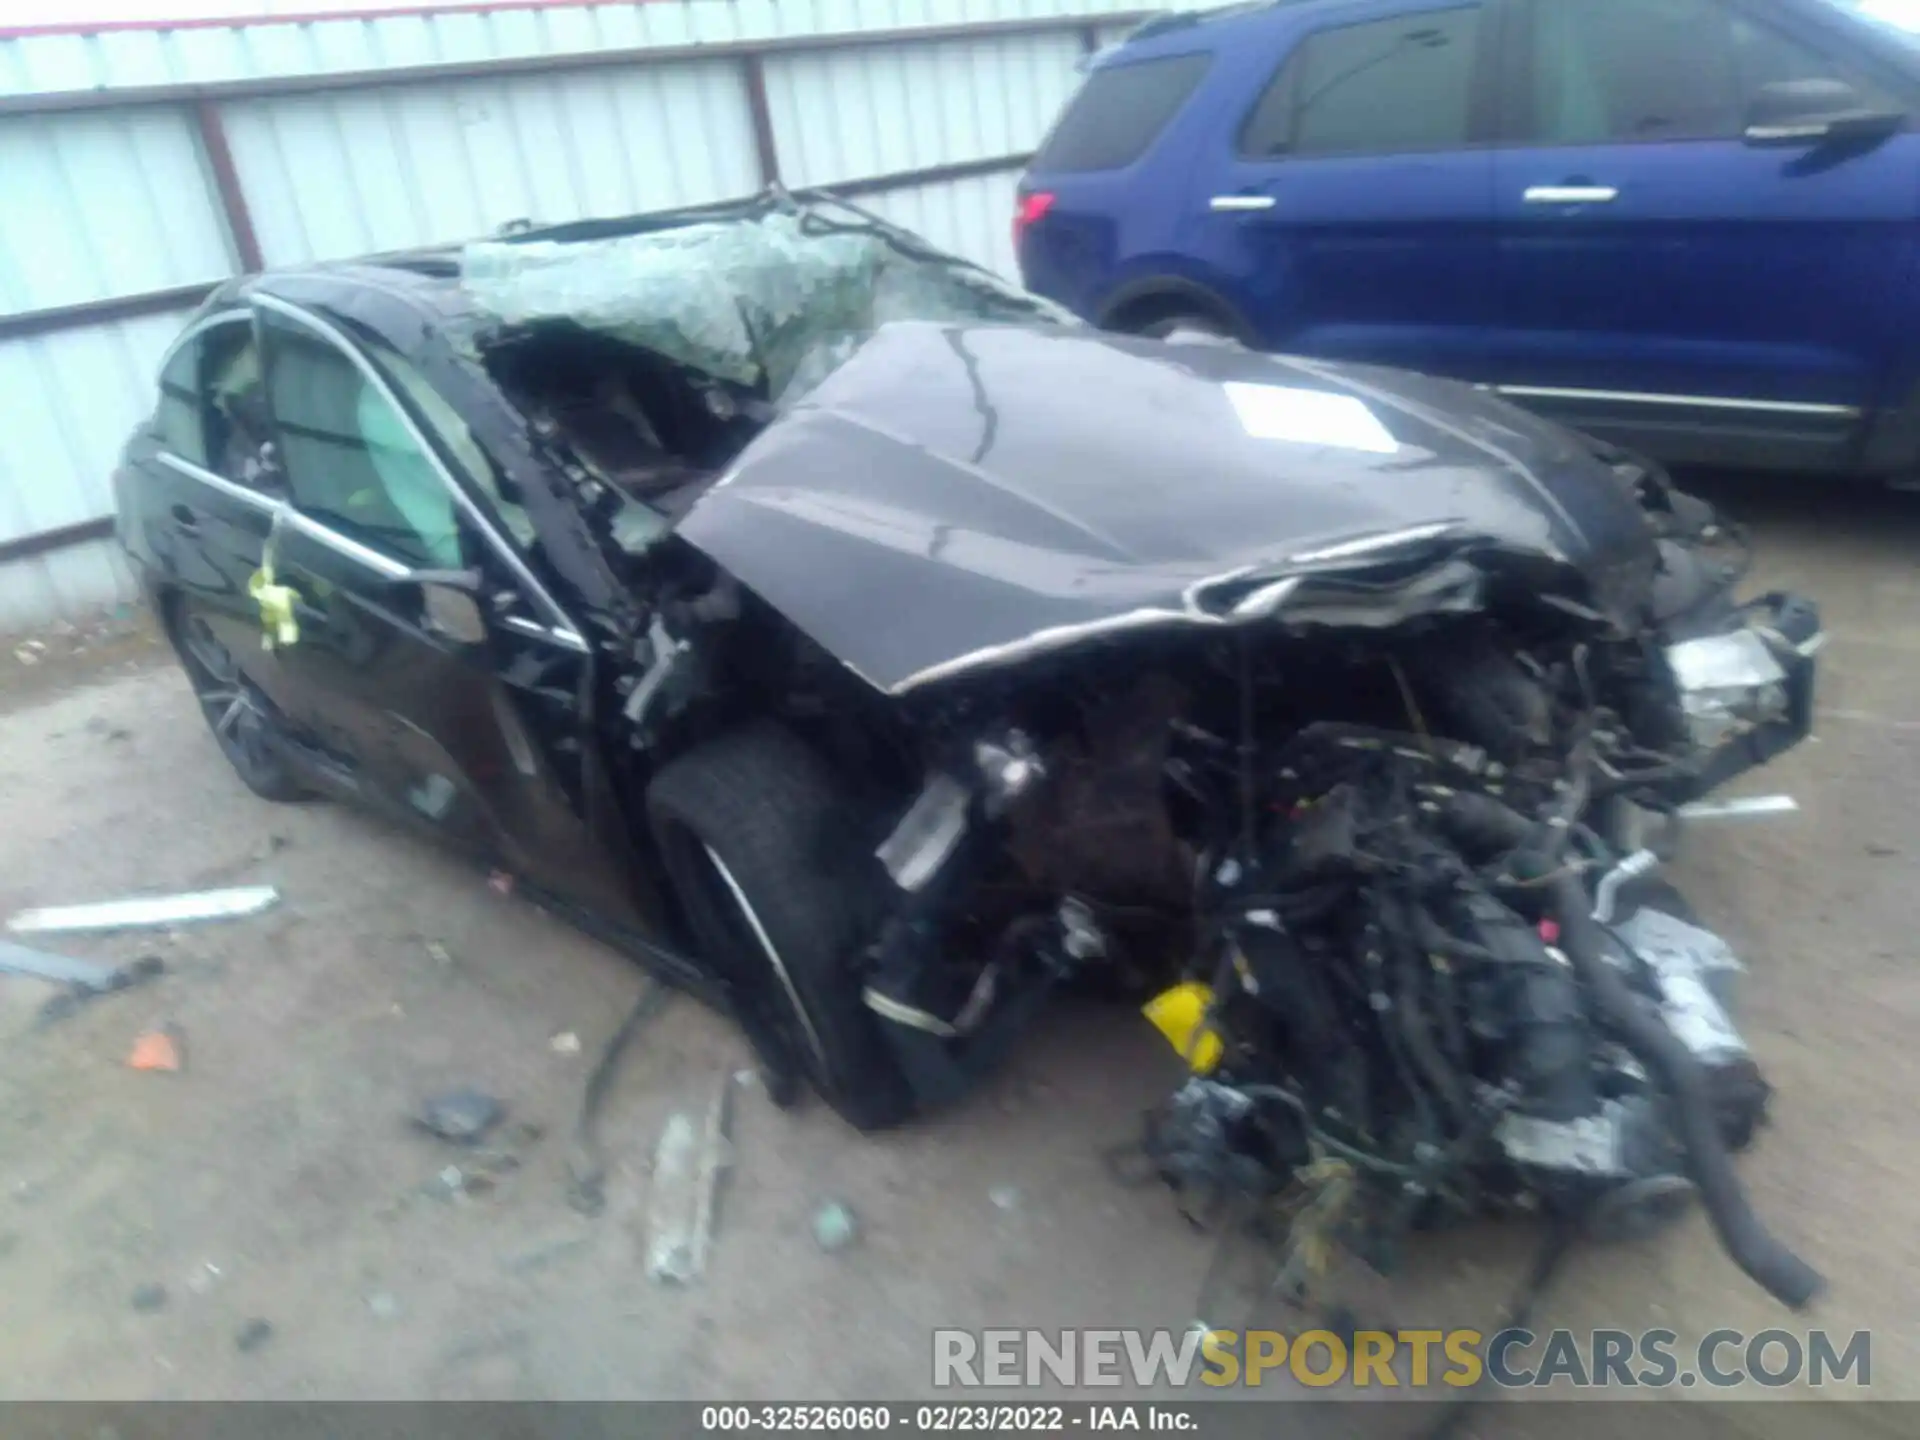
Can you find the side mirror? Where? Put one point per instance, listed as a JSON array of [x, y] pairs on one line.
[[1811, 112], [450, 604]]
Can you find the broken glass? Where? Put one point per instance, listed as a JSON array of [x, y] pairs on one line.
[[775, 302]]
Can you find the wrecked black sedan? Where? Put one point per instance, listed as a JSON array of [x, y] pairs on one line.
[[873, 649]]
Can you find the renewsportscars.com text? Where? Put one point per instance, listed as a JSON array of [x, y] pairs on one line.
[[1145, 1359]]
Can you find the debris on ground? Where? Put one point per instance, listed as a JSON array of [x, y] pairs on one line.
[[500, 882], [138, 912], [1005, 1197], [252, 1335], [82, 979], [383, 1305], [204, 1278], [461, 1116], [687, 1166], [148, 1298], [438, 953], [163, 1049], [565, 1043], [586, 1166], [28, 652], [835, 1226]]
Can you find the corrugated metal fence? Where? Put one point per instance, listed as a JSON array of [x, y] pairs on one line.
[[139, 166]]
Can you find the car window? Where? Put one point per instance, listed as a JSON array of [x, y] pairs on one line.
[[212, 408], [1118, 113], [351, 460], [1633, 70], [1386, 87], [1763, 56], [447, 426]]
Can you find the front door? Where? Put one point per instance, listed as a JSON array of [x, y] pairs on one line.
[[427, 678], [1658, 271], [1354, 209]]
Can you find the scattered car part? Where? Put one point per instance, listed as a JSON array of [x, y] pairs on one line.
[[144, 911], [461, 1116], [164, 1049], [687, 1167], [88, 976], [586, 1165]]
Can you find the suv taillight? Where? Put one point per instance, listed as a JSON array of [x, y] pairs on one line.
[[1028, 209]]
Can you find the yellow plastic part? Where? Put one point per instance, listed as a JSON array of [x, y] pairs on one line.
[[277, 623], [1180, 1014]]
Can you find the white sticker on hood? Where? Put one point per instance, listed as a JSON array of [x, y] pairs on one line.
[[1309, 417]]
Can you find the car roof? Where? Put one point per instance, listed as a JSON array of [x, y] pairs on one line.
[[1213, 27]]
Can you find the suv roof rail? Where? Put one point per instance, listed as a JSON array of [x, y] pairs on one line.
[[1182, 19]]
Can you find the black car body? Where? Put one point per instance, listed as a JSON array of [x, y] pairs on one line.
[[873, 649]]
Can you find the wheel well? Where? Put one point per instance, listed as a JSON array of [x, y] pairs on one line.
[[1133, 313]]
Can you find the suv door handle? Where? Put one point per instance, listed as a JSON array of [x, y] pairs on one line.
[[1570, 194], [1241, 202], [184, 520]]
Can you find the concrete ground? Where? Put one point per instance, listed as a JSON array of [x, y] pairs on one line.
[[278, 1179]]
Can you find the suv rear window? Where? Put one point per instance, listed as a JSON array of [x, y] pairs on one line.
[[1119, 112]]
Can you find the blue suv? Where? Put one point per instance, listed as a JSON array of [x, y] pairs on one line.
[[1690, 226]]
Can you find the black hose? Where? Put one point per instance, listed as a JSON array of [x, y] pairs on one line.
[[1775, 1268]]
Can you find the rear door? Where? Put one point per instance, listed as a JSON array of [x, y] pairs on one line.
[[432, 670], [1662, 278], [1352, 200]]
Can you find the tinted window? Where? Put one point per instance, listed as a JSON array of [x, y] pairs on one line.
[[1633, 70], [351, 460], [1119, 112], [1390, 86], [456, 439], [1658, 70], [177, 416], [212, 408]]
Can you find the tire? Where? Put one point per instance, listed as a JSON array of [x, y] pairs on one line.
[[241, 719], [1166, 327], [780, 892]]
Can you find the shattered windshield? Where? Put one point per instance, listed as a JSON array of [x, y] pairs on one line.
[[774, 301]]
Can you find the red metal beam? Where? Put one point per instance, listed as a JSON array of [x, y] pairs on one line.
[[63, 537], [138, 95], [97, 312], [766, 150], [226, 182], [928, 175]]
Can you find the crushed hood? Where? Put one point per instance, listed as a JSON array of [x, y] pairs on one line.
[[954, 497]]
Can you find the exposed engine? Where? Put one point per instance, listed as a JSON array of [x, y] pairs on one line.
[[1420, 945]]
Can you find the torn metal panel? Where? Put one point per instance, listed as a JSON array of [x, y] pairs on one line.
[[144, 911]]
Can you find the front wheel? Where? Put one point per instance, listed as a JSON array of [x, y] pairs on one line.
[[781, 893]]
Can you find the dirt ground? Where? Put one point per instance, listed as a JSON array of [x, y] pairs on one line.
[[278, 1178]]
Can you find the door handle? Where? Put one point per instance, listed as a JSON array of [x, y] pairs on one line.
[[184, 519], [1570, 194], [1230, 203]]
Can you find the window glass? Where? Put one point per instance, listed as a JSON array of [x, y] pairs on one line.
[[351, 460], [1390, 86], [1118, 113], [177, 416], [1633, 70], [455, 436], [1762, 56]]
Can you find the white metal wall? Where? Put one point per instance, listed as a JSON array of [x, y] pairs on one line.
[[102, 203]]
